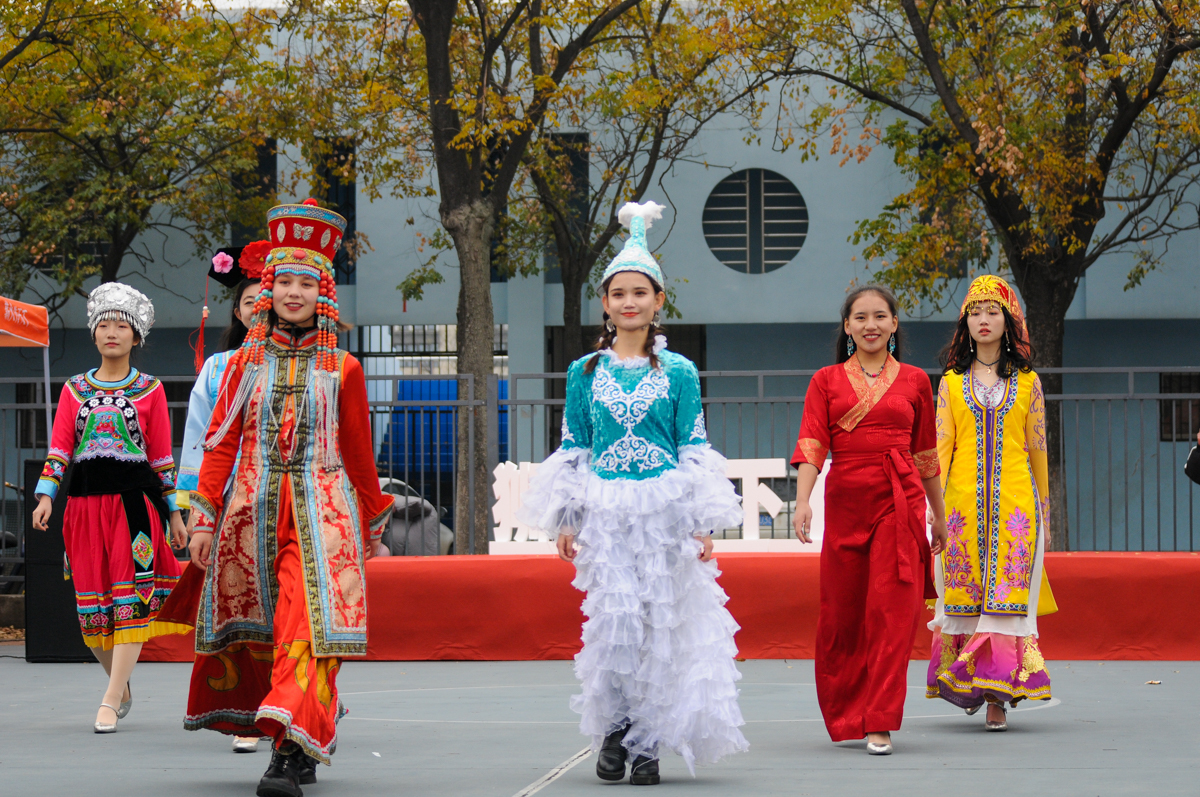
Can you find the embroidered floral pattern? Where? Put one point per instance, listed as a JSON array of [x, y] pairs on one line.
[[632, 450], [56, 466], [1032, 661], [699, 430], [629, 409], [566, 435], [1037, 409], [956, 561], [814, 453], [1018, 562], [107, 426], [927, 463], [943, 408], [143, 551]]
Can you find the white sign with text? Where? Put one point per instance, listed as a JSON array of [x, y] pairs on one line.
[[760, 507]]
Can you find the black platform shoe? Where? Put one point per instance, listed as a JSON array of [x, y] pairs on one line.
[[644, 771], [280, 778], [305, 767], [610, 764]]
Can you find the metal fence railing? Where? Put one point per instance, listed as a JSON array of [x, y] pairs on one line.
[[1122, 443], [1123, 434]]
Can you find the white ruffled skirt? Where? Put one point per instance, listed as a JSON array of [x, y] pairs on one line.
[[658, 650]]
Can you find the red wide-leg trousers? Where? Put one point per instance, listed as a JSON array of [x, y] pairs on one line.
[[869, 614]]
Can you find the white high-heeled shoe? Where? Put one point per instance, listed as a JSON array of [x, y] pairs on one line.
[[245, 744], [879, 749], [101, 727]]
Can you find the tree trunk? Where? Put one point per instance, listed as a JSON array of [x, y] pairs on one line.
[[574, 275], [1046, 303], [118, 245], [471, 225]]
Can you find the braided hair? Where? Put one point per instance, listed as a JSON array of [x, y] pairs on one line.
[[609, 335]]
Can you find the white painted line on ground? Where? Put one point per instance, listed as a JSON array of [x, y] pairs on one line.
[[554, 774], [463, 722], [1048, 704], [458, 688], [1051, 703]]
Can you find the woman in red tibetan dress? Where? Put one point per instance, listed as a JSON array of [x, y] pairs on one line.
[[876, 416], [112, 426], [284, 594]]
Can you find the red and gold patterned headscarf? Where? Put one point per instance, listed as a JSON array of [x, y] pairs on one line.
[[990, 288]]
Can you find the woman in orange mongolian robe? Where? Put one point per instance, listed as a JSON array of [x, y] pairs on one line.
[[284, 593], [876, 416]]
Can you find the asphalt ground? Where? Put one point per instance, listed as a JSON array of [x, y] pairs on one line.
[[503, 729]]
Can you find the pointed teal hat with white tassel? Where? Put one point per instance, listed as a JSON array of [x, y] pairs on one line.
[[635, 256]]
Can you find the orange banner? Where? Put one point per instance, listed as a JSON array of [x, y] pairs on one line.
[[23, 324]]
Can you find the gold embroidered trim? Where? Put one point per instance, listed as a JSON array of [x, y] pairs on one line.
[[812, 451], [378, 523], [927, 463], [204, 506], [868, 395]]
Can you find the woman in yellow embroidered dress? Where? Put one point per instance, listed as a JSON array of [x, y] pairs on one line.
[[991, 433]]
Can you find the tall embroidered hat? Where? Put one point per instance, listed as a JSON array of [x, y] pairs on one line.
[[304, 239], [116, 300], [635, 255], [990, 288]]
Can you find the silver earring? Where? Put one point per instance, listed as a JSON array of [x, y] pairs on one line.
[[892, 344], [850, 347], [657, 318], [609, 326]]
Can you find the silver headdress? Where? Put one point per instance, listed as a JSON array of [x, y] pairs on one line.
[[635, 256], [117, 300]]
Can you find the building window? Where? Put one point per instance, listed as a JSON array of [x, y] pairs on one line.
[[31, 423], [341, 196], [262, 182], [1178, 419], [177, 393], [755, 221]]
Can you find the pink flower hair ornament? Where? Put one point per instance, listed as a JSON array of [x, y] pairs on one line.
[[222, 263]]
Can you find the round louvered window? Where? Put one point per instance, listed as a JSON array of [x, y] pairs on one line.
[[755, 221]]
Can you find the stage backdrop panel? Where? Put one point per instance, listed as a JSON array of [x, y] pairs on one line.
[[512, 608]]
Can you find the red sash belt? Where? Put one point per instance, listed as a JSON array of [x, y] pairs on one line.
[[897, 464]]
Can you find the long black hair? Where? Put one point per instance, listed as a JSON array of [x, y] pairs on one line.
[[840, 355], [236, 332], [1016, 353], [608, 336]]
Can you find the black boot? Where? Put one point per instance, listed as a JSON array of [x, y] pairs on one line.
[[644, 771], [305, 767], [280, 778], [610, 764]]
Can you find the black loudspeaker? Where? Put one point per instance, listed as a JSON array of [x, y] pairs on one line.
[[51, 619]]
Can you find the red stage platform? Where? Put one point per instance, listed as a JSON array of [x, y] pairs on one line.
[[512, 608]]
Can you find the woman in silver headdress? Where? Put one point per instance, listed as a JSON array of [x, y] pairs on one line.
[[112, 426]]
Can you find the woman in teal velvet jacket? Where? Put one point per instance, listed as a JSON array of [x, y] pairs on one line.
[[637, 487]]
